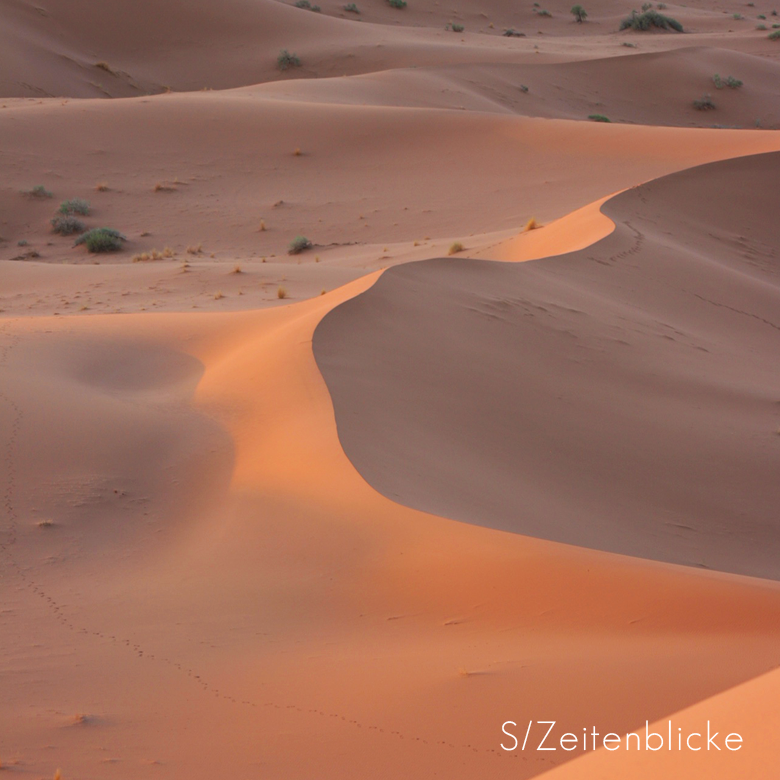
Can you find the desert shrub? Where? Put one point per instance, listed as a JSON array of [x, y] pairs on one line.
[[101, 240], [281, 292], [74, 206], [738, 17], [458, 28], [67, 225], [661, 6], [646, 6], [523, 88], [774, 36], [298, 244], [761, 27], [599, 118], [352, 8], [286, 60], [455, 247], [628, 45], [39, 191], [579, 13], [397, 3], [307, 5], [532, 224], [733, 83], [704, 103], [512, 33], [761, 16], [543, 12], [649, 19]]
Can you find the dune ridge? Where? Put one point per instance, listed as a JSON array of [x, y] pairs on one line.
[[673, 312]]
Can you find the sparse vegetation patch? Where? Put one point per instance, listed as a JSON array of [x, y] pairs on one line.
[[729, 81], [39, 191], [286, 60], [579, 13], [649, 19], [599, 118], [299, 244], [101, 240], [74, 206], [704, 103], [67, 225]]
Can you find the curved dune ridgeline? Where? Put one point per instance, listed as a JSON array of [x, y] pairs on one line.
[[623, 397]]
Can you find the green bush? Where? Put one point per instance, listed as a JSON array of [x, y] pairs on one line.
[[74, 206], [579, 13], [101, 240], [512, 33], [704, 103], [286, 60], [599, 118], [298, 244], [307, 5], [397, 3], [352, 8], [543, 12], [67, 225], [39, 191], [458, 28], [649, 19], [774, 36]]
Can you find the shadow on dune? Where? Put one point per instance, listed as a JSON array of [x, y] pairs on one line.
[[625, 397]]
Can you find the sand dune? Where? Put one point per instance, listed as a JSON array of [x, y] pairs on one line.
[[621, 397], [182, 616], [195, 580], [219, 188], [621, 88]]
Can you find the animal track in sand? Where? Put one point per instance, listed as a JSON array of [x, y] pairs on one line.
[[8, 340]]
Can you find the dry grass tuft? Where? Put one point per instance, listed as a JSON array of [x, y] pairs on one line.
[[163, 187], [237, 269], [218, 296], [45, 524], [262, 226], [195, 250], [154, 254], [281, 292], [532, 224], [101, 186], [106, 67], [297, 151], [455, 247]]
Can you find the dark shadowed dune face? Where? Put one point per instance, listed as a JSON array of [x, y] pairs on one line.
[[625, 397]]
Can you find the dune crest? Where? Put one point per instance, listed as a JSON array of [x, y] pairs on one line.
[[621, 397]]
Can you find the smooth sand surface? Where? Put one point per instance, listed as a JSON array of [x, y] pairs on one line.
[[195, 580], [211, 597], [623, 397]]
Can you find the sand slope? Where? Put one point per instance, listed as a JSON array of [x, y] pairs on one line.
[[211, 600], [622, 397]]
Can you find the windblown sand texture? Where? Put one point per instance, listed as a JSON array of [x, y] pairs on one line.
[[339, 514]]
